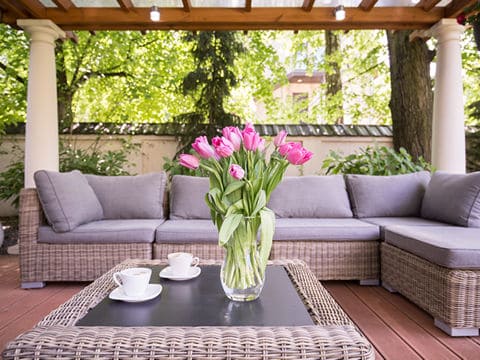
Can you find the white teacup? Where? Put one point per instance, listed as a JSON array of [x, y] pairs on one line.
[[133, 281], [181, 262]]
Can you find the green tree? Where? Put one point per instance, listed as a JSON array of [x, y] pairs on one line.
[[211, 81]]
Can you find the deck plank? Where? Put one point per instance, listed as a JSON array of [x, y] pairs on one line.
[[380, 334], [464, 347], [30, 318], [412, 333]]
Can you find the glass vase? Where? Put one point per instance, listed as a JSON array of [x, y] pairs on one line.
[[242, 274]]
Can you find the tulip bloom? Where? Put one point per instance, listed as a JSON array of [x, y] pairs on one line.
[[248, 128], [236, 171], [251, 140], [233, 134], [280, 138], [299, 155], [203, 148], [223, 146], [189, 161], [287, 147], [261, 144]]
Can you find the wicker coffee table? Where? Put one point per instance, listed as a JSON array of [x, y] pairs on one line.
[[333, 336]]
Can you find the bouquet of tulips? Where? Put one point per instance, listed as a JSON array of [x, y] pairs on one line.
[[242, 179]]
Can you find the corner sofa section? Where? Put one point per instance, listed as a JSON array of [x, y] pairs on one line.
[[69, 233]]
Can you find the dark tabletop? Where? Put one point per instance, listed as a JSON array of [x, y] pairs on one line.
[[202, 302]]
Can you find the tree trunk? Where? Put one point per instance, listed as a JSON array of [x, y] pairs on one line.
[[411, 102], [333, 75], [65, 93]]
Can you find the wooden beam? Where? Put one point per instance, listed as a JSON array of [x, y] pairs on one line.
[[367, 5], [187, 6], [308, 5], [455, 8], [248, 5], [237, 19], [64, 4], [35, 8], [427, 5], [125, 4], [10, 7]]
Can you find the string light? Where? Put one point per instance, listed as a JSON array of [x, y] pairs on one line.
[[340, 13], [154, 13]]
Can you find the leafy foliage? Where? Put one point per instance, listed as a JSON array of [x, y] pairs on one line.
[[374, 160], [92, 160], [214, 54]]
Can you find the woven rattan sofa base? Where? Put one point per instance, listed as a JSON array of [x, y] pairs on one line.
[[329, 260], [333, 260], [40, 262], [449, 295], [333, 337]]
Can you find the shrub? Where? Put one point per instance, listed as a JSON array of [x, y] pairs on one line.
[[374, 160]]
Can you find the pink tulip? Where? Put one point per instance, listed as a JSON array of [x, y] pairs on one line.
[[233, 134], [251, 140], [189, 161], [248, 128], [287, 147], [223, 146], [280, 138], [236, 171], [299, 155], [203, 148], [261, 144]]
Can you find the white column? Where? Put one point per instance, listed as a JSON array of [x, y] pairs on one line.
[[448, 138], [41, 136]]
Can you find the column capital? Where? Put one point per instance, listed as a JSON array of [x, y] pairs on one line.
[[42, 30], [447, 29]]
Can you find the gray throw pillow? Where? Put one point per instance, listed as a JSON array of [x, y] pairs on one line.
[[130, 197], [453, 198], [396, 195], [187, 197], [311, 197], [67, 199]]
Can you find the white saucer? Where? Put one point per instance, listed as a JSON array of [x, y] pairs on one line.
[[167, 273], [153, 290]]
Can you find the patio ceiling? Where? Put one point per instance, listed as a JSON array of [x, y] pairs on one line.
[[232, 14]]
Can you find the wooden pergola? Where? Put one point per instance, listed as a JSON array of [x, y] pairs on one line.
[[233, 14], [48, 20]]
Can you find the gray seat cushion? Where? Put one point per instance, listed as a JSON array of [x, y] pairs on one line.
[[311, 197], [187, 231], [453, 198], [325, 229], [384, 222], [103, 232], [397, 195], [67, 199], [130, 197], [453, 247], [187, 197]]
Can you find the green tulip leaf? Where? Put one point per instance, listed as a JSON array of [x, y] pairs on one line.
[[230, 224], [267, 229]]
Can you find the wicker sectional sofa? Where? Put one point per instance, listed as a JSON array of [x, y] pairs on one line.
[[343, 227]]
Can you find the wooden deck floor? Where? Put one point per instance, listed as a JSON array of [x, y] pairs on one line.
[[397, 328]]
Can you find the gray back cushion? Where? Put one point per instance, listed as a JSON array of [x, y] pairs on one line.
[[311, 197], [396, 195], [453, 198], [187, 197], [130, 197], [67, 199]]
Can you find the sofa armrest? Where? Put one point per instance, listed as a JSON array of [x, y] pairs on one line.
[[30, 217]]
